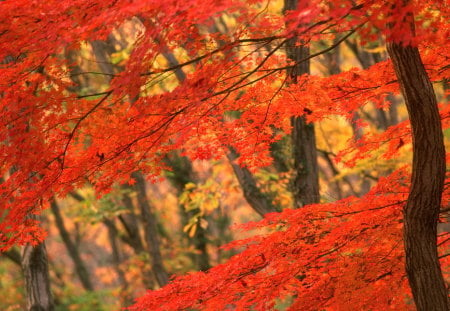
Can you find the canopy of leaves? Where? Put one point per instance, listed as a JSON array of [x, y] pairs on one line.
[[54, 140]]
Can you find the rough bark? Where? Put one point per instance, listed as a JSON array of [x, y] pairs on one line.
[[422, 208], [80, 267], [37, 280], [150, 230], [305, 182]]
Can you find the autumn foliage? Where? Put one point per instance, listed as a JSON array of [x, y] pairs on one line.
[[342, 255]]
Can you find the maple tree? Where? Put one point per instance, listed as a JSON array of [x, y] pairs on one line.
[[237, 94]]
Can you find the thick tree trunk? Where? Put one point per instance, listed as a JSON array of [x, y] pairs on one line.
[[422, 208], [305, 183], [37, 280]]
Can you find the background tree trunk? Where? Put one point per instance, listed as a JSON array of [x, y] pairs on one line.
[[72, 249], [126, 298], [149, 220], [150, 230], [252, 194], [305, 182]]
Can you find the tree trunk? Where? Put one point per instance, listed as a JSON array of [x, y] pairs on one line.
[[37, 280], [305, 182], [150, 230], [252, 194], [130, 223], [422, 208], [80, 267], [148, 217], [254, 197], [125, 296], [182, 174]]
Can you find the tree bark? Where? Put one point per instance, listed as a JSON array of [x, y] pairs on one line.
[[428, 173], [37, 280], [305, 182]]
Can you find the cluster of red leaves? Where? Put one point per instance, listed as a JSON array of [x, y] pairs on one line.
[[53, 141], [320, 256]]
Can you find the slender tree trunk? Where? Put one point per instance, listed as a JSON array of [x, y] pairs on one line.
[[80, 267], [117, 260], [422, 208], [37, 280], [183, 176], [305, 183], [148, 217], [183, 173], [254, 197], [150, 231], [132, 236], [252, 194], [130, 223], [134, 241]]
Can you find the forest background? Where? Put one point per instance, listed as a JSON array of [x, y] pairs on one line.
[[139, 137]]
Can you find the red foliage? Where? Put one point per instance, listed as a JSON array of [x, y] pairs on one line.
[[54, 141], [345, 255]]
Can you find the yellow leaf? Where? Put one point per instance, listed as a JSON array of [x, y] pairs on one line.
[[189, 186]]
